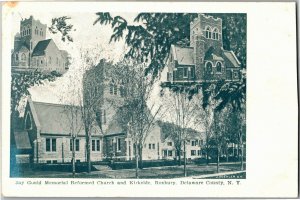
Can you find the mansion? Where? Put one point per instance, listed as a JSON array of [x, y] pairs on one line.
[[32, 51]]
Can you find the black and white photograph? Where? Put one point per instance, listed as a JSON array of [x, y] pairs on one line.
[[146, 97]]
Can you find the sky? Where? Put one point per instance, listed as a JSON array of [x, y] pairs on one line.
[[85, 36]]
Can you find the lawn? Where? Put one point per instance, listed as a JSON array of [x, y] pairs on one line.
[[146, 173]]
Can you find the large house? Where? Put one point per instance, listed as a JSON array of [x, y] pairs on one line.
[[205, 59], [32, 51]]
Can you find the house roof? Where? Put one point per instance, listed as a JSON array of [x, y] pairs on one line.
[[56, 119], [183, 55], [20, 46], [167, 128], [231, 58], [40, 48], [213, 54], [22, 140]]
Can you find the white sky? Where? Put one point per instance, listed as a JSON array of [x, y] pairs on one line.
[[86, 35]]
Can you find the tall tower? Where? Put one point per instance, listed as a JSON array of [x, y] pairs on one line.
[[32, 31], [209, 29], [205, 34]]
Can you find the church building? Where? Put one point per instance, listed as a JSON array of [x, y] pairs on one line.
[[205, 59], [33, 51]]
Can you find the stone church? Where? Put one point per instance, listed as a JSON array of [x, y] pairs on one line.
[[205, 59], [33, 51]]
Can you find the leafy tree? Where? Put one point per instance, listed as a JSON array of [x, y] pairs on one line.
[[22, 81], [151, 39], [60, 25]]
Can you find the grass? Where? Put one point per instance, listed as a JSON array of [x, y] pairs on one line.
[[146, 173]]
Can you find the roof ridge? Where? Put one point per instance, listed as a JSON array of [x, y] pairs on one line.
[[53, 104]]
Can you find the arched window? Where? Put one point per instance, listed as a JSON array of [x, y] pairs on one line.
[[49, 59], [17, 57], [23, 57], [28, 122], [208, 67], [219, 67], [208, 32], [36, 31], [216, 34]]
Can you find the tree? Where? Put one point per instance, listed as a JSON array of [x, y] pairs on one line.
[[60, 25], [72, 112], [90, 96], [219, 132], [204, 119], [182, 109], [137, 114], [151, 39]]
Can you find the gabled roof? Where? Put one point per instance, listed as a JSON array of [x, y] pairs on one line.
[[231, 58], [20, 46], [213, 54], [183, 55], [40, 48], [56, 119]]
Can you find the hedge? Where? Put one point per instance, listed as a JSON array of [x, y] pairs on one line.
[[146, 164]]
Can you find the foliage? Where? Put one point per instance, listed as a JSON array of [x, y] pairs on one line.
[[22, 81], [150, 40], [234, 32], [60, 25]]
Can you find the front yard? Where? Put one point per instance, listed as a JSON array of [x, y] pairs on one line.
[[146, 173]]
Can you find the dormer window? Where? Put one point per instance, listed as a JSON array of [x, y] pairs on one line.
[[208, 32]]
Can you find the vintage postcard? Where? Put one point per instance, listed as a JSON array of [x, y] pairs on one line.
[[127, 99]]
